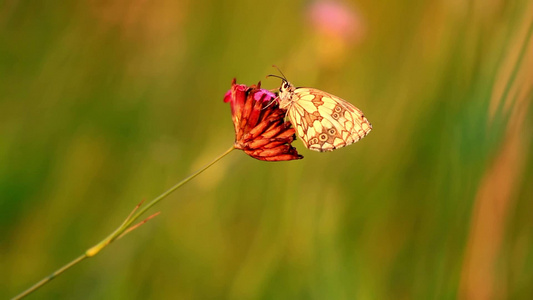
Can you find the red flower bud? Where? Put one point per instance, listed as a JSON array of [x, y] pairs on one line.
[[260, 127]]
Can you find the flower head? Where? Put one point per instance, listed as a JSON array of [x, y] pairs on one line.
[[260, 128]]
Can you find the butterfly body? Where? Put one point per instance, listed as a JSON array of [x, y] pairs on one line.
[[323, 122]]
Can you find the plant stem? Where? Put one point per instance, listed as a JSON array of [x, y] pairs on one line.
[[50, 277], [118, 232]]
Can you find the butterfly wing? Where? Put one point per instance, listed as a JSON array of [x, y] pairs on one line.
[[326, 122]]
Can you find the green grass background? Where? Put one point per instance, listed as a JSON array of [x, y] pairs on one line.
[[106, 103]]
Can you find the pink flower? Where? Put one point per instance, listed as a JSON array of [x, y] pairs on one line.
[[336, 19], [260, 128]]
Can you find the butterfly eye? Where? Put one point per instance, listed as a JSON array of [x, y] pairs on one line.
[[285, 85]]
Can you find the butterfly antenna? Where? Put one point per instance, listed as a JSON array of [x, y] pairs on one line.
[[279, 70], [277, 76]]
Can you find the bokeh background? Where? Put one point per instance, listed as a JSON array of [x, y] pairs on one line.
[[106, 103]]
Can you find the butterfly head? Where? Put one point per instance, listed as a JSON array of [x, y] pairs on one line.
[[286, 88], [286, 91]]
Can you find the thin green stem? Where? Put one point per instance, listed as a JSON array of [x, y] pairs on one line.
[[179, 184], [120, 230], [50, 277]]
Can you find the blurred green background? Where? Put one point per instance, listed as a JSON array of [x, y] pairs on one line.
[[106, 103]]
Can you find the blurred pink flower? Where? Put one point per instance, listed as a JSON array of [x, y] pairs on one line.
[[260, 127], [336, 19]]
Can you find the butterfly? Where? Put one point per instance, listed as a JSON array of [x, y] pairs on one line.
[[323, 121]]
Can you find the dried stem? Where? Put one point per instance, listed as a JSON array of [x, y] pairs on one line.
[[137, 225]]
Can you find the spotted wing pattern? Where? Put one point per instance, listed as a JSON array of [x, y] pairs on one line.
[[326, 122]]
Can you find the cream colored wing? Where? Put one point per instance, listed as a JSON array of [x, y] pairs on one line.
[[326, 122]]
